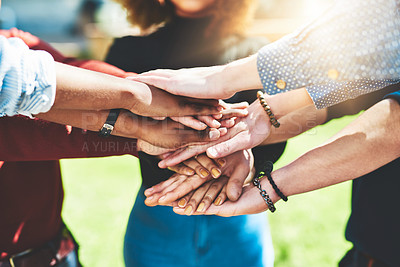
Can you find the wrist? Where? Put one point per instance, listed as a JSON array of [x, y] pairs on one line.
[[242, 75], [270, 191], [127, 125], [134, 95]]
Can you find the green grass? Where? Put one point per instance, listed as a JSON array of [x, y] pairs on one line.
[[308, 230]]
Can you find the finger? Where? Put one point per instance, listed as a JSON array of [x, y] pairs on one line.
[[183, 201], [210, 165], [229, 113], [194, 106], [228, 123], [191, 122], [157, 197], [182, 155], [212, 193], [184, 188], [210, 121], [192, 163], [221, 197], [190, 151], [217, 116], [160, 186], [197, 196], [154, 80], [166, 73], [238, 142], [235, 184], [182, 169], [240, 105], [193, 150]]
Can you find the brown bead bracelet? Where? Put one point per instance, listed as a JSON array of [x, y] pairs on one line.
[[272, 118]]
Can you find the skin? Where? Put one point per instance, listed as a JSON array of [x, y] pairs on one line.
[[193, 8], [89, 90], [166, 134], [309, 118], [248, 131], [377, 130]]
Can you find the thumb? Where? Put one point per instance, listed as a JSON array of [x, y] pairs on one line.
[[235, 184], [228, 147]]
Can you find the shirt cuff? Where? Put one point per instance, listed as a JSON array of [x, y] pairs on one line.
[[40, 86], [279, 67], [329, 94]]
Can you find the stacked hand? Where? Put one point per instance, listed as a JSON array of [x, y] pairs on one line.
[[188, 193]]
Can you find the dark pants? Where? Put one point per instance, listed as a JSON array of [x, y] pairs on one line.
[[355, 258]]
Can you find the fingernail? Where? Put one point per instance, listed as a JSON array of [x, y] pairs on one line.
[[203, 173], [148, 191], [190, 172], [200, 208], [215, 172], [221, 162], [216, 123], [217, 202], [202, 125], [182, 203], [161, 199], [213, 134], [188, 210], [212, 152]]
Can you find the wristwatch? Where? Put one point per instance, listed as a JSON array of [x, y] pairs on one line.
[[108, 126]]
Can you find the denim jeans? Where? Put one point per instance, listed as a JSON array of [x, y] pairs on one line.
[[156, 236], [70, 261]]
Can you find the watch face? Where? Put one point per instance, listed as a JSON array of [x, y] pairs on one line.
[[106, 130]]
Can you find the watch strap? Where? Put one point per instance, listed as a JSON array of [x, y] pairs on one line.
[[108, 126]]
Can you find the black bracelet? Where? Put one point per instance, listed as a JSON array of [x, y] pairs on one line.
[[267, 172], [263, 193]]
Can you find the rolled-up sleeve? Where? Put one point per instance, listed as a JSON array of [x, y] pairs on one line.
[[352, 49], [27, 77]]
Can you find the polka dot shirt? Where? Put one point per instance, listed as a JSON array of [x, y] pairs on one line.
[[352, 49]]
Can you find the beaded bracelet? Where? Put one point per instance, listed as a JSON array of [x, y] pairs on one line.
[[272, 118]]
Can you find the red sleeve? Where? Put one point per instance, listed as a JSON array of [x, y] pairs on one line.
[[23, 139]]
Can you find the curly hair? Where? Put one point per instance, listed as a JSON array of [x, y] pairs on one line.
[[229, 16]]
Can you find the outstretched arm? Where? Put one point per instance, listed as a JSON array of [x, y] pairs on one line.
[[368, 143]]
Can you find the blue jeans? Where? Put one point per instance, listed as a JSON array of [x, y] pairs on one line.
[[70, 261], [156, 236]]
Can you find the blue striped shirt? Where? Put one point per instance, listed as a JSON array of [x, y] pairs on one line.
[[352, 49], [28, 79]]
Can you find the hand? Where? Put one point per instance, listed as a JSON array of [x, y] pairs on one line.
[[202, 165], [194, 82], [156, 134], [248, 132], [225, 119], [218, 82], [153, 102], [250, 202], [238, 167]]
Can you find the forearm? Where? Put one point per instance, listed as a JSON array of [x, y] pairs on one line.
[[127, 124], [296, 123], [31, 140], [368, 143], [89, 90], [242, 75]]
